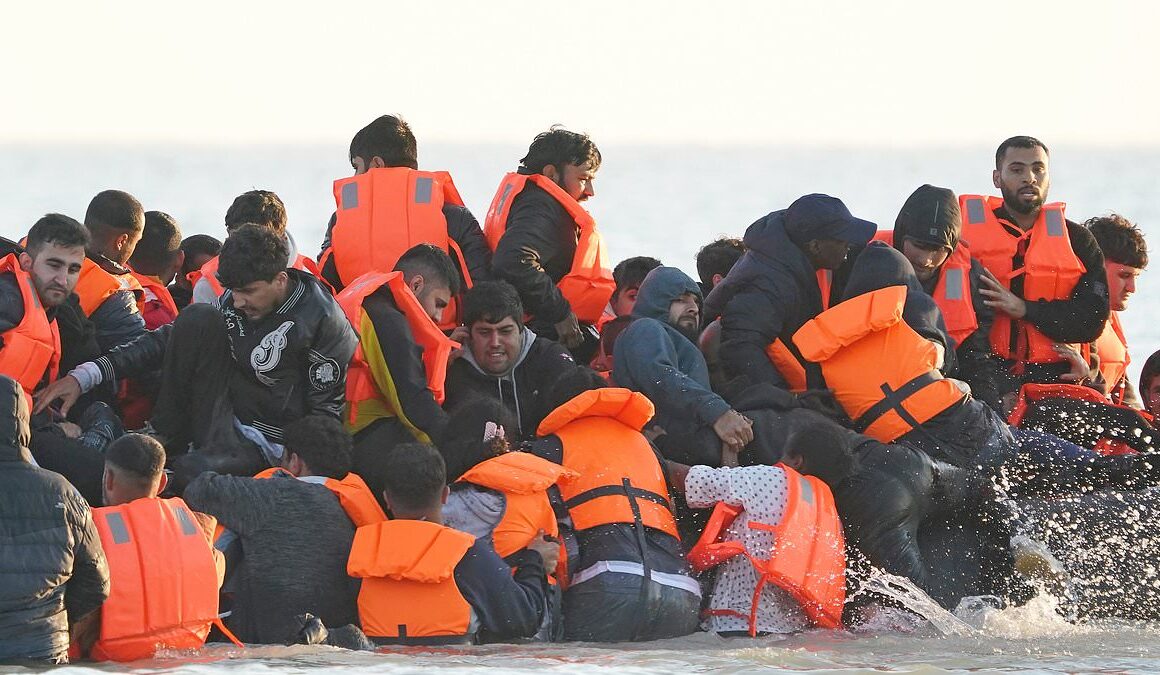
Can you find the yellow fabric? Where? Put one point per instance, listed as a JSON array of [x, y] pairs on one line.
[[377, 408]]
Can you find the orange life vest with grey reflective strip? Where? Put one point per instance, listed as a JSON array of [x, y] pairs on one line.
[[95, 285], [1042, 256], [1112, 348], [952, 292], [524, 480], [163, 579], [588, 285], [409, 594], [882, 373], [32, 347], [619, 478], [782, 357], [808, 558]]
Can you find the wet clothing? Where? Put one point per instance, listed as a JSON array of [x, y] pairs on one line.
[[52, 568], [768, 294], [285, 570], [535, 252], [653, 357], [521, 389], [289, 364], [462, 228]]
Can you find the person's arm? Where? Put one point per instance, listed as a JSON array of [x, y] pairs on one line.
[[706, 486], [117, 320], [137, 358], [532, 238], [749, 324], [464, 229], [508, 604], [326, 364], [395, 362], [88, 587], [644, 359], [1081, 317], [240, 504], [978, 366]]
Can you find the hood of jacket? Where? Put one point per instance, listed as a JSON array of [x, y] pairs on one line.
[[770, 255], [527, 337], [473, 509], [658, 290], [931, 216], [14, 429]]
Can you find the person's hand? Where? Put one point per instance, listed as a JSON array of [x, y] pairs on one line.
[[734, 429], [999, 298], [70, 430], [1080, 370], [676, 473], [568, 331], [729, 456], [548, 548], [459, 334], [67, 389]]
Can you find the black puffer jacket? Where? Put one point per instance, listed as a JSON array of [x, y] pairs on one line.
[[52, 569]]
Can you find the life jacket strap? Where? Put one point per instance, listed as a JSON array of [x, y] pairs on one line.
[[627, 490], [892, 400]]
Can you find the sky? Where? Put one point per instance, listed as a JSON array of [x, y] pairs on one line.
[[886, 73]]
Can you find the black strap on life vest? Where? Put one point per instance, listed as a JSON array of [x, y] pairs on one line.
[[642, 544], [430, 640], [892, 400], [626, 490]]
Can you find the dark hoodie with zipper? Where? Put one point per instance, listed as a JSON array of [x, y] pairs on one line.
[[653, 357], [540, 363], [768, 294], [52, 568]]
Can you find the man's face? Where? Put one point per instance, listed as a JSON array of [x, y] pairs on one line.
[[685, 315], [577, 181], [496, 346], [54, 271], [257, 299], [432, 296], [827, 254], [926, 259], [1023, 179], [1121, 284], [625, 300]]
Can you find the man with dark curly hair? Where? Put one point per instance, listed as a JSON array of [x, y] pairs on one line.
[[1125, 257], [273, 349]]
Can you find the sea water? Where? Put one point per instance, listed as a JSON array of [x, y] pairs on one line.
[[665, 202]]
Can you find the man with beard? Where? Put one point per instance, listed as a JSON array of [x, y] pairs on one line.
[[1045, 275], [657, 355]]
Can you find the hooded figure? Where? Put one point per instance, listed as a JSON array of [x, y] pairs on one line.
[[54, 569], [656, 358]]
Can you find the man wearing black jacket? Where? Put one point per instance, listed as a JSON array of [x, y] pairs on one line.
[[53, 566], [274, 349]]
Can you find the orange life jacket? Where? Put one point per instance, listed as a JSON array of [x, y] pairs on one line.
[[882, 373], [1049, 267], [620, 479], [408, 594], [95, 285], [588, 286], [1032, 392], [524, 480], [163, 579], [808, 559], [952, 293], [782, 358], [437, 347], [32, 347], [353, 494], [209, 270], [159, 291], [1112, 348]]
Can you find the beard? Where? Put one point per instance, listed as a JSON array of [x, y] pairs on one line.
[[692, 331], [1015, 202]]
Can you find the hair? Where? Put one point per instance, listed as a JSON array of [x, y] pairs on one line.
[[1017, 142], [570, 385], [823, 445], [160, 243], [138, 455], [492, 301], [198, 245], [461, 439], [257, 206], [251, 253], [322, 443], [1119, 239], [115, 210], [414, 477], [631, 271], [55, 228], [1149, 372], [612, 330], [718, 257], [557, 146], [390, 139], [432, 262]]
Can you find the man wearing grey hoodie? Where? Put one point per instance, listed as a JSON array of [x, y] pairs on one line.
[[504, 360]]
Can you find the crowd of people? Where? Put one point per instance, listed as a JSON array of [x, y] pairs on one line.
[[438, 432]]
